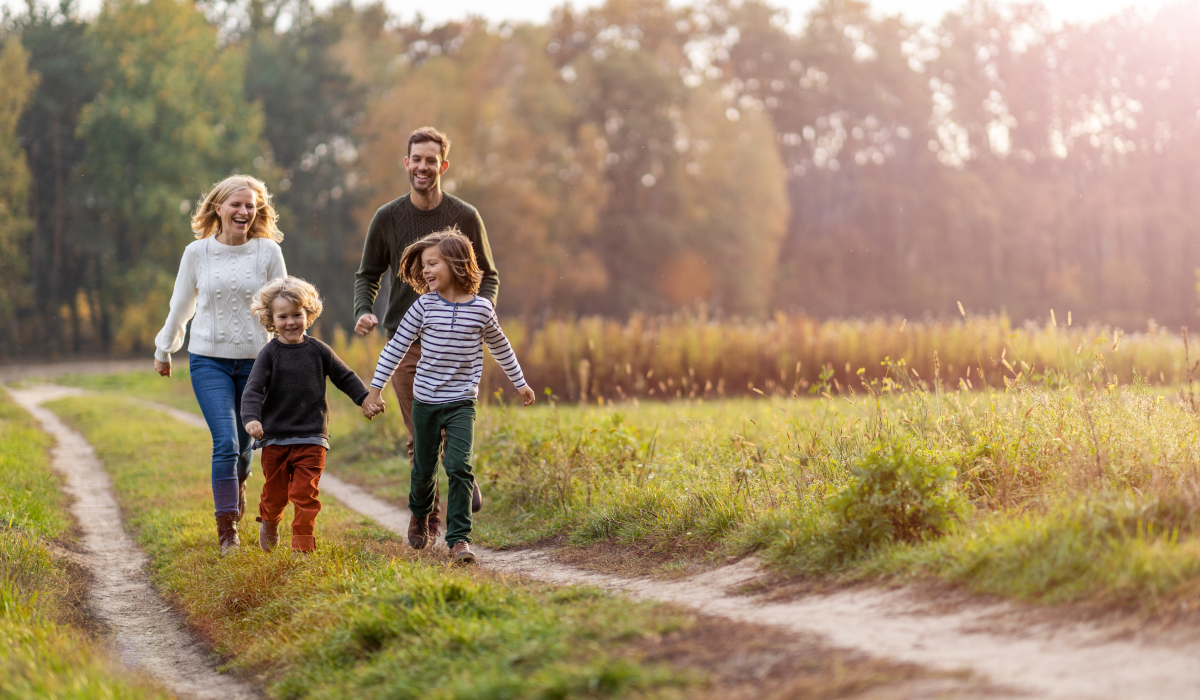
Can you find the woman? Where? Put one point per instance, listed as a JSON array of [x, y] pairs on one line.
[[236, 254]]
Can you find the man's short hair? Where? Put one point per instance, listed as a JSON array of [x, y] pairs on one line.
[[426, 134]]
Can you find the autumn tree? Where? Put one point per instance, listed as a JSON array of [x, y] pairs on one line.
[[16, 85], [169, 121]]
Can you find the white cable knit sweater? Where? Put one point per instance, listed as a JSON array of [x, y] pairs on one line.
[[215, 284]]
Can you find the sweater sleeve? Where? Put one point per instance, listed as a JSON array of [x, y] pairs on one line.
[[489, 287], [183, 307], [375, 262], [276, 267], [502, 351], [406, 333], [255, 392], [344, 378]]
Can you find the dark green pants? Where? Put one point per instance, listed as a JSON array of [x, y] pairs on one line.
[[429, 420]]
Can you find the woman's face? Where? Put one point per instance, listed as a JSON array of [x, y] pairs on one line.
[[237, 212]]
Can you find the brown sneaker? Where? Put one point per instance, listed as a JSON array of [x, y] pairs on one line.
[[268, 535], [418, 532], [435, 516], [227, 534], [461, 553]]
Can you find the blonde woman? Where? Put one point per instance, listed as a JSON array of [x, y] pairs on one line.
[[237, 254]]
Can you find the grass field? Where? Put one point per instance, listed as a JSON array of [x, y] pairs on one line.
[[48, 649], [1073, 480], [369, 617]]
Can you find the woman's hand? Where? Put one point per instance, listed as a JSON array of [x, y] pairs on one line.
[[527, 395], [163, 368], [255, 429]]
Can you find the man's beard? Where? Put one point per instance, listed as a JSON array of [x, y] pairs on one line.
[[412, 182]]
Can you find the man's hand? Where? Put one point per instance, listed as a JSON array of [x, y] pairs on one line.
[[373, 405], [527, 395], [366, 324], [255, 429], [163, 368]]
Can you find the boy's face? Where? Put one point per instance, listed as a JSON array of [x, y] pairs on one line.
[[436, 271], [290, 320]]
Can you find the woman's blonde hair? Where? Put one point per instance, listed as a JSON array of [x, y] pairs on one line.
[[207, 222], [293, 289], [455, 248]]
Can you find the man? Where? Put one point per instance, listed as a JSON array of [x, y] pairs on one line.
[[424, 210]]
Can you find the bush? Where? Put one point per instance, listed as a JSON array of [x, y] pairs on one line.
[[894, 495]]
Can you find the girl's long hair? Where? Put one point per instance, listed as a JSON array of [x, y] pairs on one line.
[[455, 248], [207, 222]]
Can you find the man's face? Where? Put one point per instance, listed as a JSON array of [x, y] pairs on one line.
[[425, 165]]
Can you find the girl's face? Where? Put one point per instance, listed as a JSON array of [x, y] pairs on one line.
[[436, 271], [290, 320], [237, 213]]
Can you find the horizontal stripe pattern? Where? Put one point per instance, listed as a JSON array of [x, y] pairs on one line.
[[452, 338]]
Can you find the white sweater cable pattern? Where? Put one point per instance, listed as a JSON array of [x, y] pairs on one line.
[[214, 288]]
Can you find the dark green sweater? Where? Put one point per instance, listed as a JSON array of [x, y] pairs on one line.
[[398, 224]]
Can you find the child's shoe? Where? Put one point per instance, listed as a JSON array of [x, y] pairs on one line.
[[461, 553], [418, 532], [268, 534], [227, 534]]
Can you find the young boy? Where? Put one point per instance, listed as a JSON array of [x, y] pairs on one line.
[[285, 410]]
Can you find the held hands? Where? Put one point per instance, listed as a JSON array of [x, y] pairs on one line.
[[527, 395], [255, 429], [366, 324], [373, 405]]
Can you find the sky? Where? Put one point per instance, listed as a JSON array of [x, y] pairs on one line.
[[922, 10], [538, 10]]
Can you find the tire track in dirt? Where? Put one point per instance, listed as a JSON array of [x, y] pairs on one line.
[[148, 634], [997, 641]]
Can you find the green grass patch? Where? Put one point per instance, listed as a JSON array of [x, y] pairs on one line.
[[364, 616], [44, 650], [1058, 487]]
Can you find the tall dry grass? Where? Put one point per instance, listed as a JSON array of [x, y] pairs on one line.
[[693, 356]]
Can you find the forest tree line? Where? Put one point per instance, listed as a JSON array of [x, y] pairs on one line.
[[637, 156]]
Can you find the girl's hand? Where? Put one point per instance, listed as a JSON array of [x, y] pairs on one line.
[[255, 429], [163, 368], [527, 395], [373, 405]]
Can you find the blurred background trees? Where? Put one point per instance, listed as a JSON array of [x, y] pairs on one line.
[[638, 156]]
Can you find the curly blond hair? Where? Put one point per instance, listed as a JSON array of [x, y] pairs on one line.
[[293, 289], [207, 222], [455, 248]]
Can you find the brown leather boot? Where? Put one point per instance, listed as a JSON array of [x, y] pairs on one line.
[[268, 535], [227, 534], [461, 553], [241, 499], [418, 532]]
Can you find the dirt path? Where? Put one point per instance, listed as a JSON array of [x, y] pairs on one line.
[[1004, 643], [148, 634]]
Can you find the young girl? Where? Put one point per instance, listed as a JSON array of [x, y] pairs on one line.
[[284, 408], [452, 323]]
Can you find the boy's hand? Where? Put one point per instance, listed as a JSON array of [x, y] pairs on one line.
[[373, 405], [527, 395], [255, 429]]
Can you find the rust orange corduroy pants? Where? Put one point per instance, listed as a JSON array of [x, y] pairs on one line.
[[292, 473]]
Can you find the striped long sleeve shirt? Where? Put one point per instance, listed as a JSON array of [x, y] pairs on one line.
[[452, 337]]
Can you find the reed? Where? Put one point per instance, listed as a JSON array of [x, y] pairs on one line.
[[694, 356]]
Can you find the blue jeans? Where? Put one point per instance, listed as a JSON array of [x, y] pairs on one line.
[[218, 384]]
